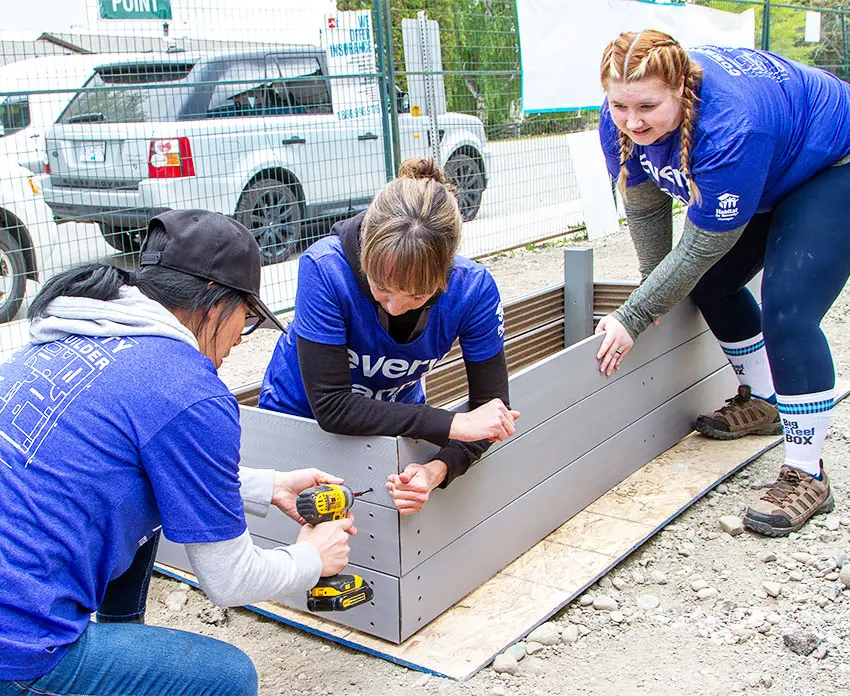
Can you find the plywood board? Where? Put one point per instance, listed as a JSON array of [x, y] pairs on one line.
[[500, 479]]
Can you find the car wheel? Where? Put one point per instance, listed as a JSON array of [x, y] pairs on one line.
[[466, 174], [121, 239], [272, 211], [13, 276]]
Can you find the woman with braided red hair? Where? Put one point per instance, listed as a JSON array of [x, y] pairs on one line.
[[757, 147]]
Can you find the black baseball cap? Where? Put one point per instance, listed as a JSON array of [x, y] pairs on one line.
[[214, 247]]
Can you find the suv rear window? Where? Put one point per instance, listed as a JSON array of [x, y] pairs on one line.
[[163, 97], [276, 85]]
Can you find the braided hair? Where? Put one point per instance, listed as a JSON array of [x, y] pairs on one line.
[[632, 57]]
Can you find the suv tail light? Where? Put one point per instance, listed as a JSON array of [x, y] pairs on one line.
[[170, 158]]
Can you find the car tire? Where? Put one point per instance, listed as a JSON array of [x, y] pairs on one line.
[[468, 178], [121, 239], [13, 276], [272, 212]]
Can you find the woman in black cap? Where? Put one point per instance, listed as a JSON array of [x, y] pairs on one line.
[[114, 426]]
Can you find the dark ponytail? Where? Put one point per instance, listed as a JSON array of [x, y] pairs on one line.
[[95, 281]]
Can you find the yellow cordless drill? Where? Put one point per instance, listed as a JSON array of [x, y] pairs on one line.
[[321, 504]]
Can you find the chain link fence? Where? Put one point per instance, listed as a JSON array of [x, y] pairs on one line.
[[782, 28], [288, 115]]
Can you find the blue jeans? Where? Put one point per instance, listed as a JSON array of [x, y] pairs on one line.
[[119, 655]]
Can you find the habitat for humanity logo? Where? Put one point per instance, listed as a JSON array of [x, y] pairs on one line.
[[727, 206]]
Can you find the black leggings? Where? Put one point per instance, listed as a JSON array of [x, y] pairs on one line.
[[803, 244]]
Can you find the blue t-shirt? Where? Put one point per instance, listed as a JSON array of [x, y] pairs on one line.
[[102, 442], [331, 308], [765, 126]]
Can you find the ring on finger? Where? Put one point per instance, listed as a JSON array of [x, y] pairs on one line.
[[618, 351]]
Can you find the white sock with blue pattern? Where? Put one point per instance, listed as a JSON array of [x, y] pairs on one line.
[[805, 421], [749, 360]]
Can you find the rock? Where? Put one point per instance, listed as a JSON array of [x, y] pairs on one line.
[[605, 583], [214, 616], [764, 628], [773, 589], [844, 575], [795, 575], [802, 557], [766, 681], [617, 616], [586, 599], [698, 585], [419, 683], [506, 664], [570, 634], [821, 601], [831, 523], [686, 549], [707, 593], [517, 650], [605, 603], [648, 602], [844, 521], [658, 577], [545, 634], [832, 577], [498, 690], [732, 525], [769, 557], [619, 584], [175, 601], [532, 647], [723, 489], [801, 642], [639, 578], [773, 618], [820, 652]]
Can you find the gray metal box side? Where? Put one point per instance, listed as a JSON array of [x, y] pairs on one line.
[[376, 545], [272, 440], [459, 568], [380, 617], [526, 461], [539, 397]]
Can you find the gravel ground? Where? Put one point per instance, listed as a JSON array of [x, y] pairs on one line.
[[696, 610]]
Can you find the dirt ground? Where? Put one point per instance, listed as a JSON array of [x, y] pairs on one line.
[[734, 641]]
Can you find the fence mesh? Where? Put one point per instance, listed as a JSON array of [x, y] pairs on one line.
[[288, 116]]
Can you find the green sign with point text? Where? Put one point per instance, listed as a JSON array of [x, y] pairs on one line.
[[135, 9]]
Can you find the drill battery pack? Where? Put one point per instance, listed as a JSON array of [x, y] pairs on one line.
[[339, 593]]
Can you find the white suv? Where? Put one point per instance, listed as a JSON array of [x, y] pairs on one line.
[[249, 134]]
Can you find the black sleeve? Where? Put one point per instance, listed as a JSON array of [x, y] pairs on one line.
[[327, 381], [487, 379]]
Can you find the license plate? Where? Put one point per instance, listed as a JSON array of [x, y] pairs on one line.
[[92, 152]]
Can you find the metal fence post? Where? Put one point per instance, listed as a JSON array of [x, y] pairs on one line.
[[387, 94], [578, 295], [844, 41], [391, 86], [765, 27]]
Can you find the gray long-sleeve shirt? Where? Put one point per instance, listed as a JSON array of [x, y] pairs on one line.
[[669, 273], [236, 572]]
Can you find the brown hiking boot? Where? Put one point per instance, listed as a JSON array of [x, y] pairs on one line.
[[743, 414], [789, 503]]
